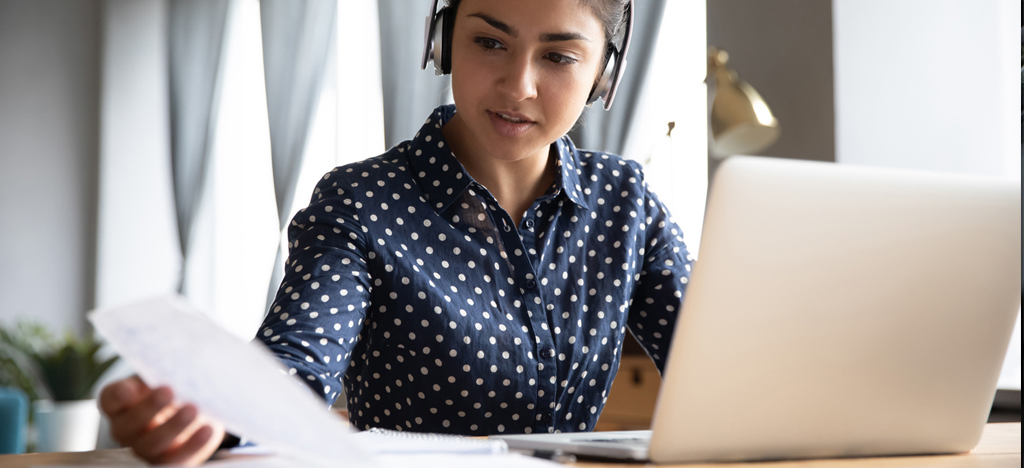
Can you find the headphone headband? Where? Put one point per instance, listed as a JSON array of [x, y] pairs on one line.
[[437, 48]]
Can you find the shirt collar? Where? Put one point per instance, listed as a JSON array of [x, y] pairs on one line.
[[569, 170], [443, 179]]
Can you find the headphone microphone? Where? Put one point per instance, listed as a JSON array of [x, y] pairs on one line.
[[437, 48]]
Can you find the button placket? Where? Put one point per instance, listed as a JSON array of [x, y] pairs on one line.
[[547, 374], [525, 284], [532, 303], [524, 288]]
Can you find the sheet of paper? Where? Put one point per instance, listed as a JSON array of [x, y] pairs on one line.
[[240, 384], [436, 460], [385, 441], [432, 460]]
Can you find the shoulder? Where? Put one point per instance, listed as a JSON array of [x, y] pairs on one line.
[[347, 191], [600, 172], [361, 178], [607, 164]]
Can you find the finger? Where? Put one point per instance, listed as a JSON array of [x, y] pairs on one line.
[[122, 394], [195, 450], [131, 423], [154, 443]]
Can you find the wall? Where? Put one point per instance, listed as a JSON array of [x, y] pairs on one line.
[[49, 92], [928, 84], [783, 48]]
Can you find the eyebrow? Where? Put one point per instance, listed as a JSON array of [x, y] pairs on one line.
[[546, 37]]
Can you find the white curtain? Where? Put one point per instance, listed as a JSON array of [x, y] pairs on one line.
[[297, 37], [195, 39], [409, 93]]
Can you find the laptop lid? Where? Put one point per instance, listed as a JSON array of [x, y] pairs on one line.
[[841, 311]]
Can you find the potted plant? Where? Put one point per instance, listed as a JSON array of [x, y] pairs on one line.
[[59, 375]]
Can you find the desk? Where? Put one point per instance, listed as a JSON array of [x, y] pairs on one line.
[[999, 447]]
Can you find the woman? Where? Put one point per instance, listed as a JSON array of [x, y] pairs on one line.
[[476, 279]]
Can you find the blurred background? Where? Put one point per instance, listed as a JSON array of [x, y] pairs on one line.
[[153, 146]]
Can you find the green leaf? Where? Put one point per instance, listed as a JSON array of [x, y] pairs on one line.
[[65, 369], [11, 375]]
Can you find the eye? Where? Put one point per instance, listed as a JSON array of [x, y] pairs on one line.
[[487, 43], [560, 59]]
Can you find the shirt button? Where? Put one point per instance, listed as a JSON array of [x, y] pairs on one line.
[[529, 224], [530, 284], [545, 418], [551, 353]]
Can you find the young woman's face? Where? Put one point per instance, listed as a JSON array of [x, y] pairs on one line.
[[522, 71]]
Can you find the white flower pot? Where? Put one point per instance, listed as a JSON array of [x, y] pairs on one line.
[[66, 426]]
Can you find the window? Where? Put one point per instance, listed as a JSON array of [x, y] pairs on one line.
[[675, 92], [232, 271], [240, 197]]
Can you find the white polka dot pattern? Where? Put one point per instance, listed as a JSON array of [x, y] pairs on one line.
[[410, 286]]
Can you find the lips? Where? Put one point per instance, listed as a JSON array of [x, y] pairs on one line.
[[510, 124], [512, 117]]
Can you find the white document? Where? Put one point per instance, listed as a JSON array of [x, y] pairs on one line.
[[422, 460], [436, 460], [431, 460], [391, 442], [243, 386], [240, 384]]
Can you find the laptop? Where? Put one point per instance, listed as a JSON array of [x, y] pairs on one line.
[[834, 311]]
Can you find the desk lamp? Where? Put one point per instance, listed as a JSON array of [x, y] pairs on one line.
[[741, 122]]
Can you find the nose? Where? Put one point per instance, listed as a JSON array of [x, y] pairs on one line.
[[519, 80]]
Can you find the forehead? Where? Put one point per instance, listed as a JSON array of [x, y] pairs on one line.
[[532, 18]]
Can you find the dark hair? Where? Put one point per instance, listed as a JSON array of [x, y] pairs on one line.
[[611, 13]]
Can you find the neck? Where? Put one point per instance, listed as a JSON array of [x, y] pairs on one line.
[[515, 183]]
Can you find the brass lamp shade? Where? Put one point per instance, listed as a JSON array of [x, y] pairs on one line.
[[741, 122]]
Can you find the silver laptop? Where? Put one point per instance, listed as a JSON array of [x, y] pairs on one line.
[[834, 311]]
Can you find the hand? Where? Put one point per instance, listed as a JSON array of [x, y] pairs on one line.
[[156, 428]]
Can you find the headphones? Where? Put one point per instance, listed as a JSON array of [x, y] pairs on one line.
[[437, 47]]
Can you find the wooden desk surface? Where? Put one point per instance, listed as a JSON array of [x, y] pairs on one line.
[[999, 447]]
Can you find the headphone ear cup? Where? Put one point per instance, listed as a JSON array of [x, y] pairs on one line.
[[615, 64], [430, 34], [447, 28], [604, 80]]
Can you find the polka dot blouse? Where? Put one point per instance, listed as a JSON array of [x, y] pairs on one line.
[[408, 286]]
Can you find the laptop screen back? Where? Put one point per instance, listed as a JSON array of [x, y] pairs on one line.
[[841, 311]]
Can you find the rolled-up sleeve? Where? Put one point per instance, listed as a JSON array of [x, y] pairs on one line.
[[318, 313], [659, 292]]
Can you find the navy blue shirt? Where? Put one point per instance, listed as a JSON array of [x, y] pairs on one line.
[[407, 284]]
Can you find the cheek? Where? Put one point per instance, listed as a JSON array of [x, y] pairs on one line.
[[577, 85], [466, 86], [465, 77], [568, 94]]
